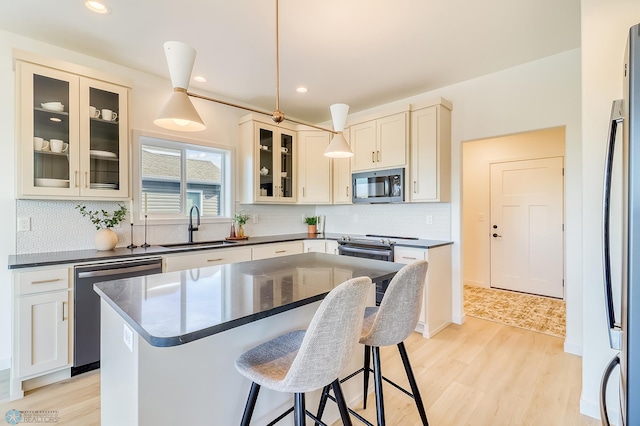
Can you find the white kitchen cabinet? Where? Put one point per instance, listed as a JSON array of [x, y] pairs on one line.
[[268, 168], [321, 246], [204, 258], [342, 177], [430, 173], [435, 315], [42, 300], [314, 169], [266, 251], [380, 143], [63, 151]]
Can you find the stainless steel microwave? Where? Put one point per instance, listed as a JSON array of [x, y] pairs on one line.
[[381, 186]]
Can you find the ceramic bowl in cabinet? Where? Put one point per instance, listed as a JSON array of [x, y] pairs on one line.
[[53, 106]]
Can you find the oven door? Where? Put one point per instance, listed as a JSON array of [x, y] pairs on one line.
[[367, 252]]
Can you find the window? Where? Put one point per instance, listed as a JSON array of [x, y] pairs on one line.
[[175, 175]]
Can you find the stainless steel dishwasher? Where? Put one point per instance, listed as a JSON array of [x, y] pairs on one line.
[[86, 324]]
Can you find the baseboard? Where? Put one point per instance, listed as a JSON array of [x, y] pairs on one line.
[[572, 348], [47, 379], [459, 319], [592, 409], [435, 331], [5, 363], [476, 283]]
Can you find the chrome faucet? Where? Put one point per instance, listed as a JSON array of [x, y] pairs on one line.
[[191, 227]]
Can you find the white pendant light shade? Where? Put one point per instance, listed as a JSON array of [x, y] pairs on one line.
[[180, 58], [339, 116], [180, 114], [339, 148]]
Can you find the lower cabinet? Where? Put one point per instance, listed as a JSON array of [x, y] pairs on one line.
[[41, 326], [267, 251], [436, 304], [201, 259], [321, 246]]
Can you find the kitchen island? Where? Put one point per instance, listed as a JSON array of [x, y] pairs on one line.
[[169, 341]]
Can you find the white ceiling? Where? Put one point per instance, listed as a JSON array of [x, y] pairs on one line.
[[360, 52]]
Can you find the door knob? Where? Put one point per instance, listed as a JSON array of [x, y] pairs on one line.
[[496, 236]]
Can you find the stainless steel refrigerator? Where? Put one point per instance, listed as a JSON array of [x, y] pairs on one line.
[[624, 326]]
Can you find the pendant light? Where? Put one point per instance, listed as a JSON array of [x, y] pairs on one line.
[[180, 114]]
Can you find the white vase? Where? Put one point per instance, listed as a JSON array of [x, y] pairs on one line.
[[105, 239]]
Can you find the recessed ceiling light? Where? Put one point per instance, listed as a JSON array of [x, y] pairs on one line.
[[96, 6], [301, 89], [199, 79]]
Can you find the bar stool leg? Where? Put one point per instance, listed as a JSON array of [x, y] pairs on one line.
[[342, 405], [323, 402], [412, 382], [367, 368], [377, 378], [299, 413], [251, 404]]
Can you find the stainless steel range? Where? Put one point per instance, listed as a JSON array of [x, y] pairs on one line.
[[371, 246]]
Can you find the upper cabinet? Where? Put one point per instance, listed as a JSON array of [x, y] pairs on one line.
[[267, 162], [342, 178], [72, 134], [430, 170], [314, 169], [380, 144]]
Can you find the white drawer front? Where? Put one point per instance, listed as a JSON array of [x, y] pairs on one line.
[[275, 250], [408, 255], [181, 262], [41, 280]]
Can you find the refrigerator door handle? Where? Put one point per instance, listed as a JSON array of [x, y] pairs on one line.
[[604, 415], [615, 333]]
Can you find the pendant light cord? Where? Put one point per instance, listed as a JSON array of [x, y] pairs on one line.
[[277, 62]]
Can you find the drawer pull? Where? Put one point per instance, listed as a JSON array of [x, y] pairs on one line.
[[215, 260], [410, 258], [46, 281], [281, 251]]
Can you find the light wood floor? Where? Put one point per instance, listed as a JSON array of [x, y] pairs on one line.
[[479, 373]]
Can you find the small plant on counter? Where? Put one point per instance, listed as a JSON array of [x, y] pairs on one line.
[[311, 220], [101, 218], [241, 218]]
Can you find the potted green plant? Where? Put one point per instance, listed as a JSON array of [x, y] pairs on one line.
[[105, 238], [312, 222], [241, 218]]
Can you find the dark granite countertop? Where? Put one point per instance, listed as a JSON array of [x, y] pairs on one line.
[[79, 256], [175, 308]]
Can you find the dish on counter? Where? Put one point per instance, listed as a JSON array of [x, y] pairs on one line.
[[103, 154], [52, 183]]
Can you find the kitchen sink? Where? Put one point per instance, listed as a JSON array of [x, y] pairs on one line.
[[199, 244]]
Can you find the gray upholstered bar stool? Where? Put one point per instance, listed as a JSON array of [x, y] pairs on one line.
[[390, 324], [303, 361]]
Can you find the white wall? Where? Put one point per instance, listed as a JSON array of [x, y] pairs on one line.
[[605, 28], [477, 157], [537, 95]]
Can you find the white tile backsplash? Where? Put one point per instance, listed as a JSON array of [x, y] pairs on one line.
[[58, 226]]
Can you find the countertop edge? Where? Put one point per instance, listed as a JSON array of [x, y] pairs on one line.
[[33, 260]]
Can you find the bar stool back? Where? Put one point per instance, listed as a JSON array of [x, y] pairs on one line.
[[303, 361]]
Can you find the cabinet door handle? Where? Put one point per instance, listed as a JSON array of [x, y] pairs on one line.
[[373, 156], [281, 251], [86, 179], [415, 187], [347, 190], [65, 312], [378, 156], [215, 260], [75, 178], [46, 281], [303, 192]]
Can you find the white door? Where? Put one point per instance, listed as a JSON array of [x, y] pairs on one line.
[[527, 249]]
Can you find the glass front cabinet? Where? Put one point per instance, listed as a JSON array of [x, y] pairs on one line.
[[268, 155], [72, 135]]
